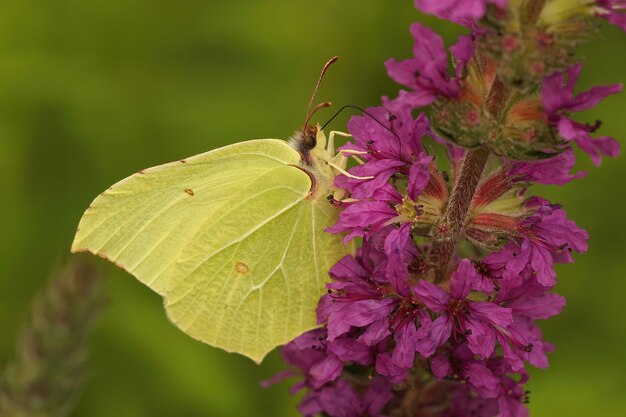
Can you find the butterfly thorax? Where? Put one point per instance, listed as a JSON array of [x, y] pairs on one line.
[[311, 145]]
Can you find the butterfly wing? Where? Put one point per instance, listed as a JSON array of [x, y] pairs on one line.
[[229, 238]]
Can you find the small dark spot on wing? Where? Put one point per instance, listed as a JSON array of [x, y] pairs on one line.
[[189, 191]]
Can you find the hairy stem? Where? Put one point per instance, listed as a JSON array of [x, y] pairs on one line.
[[451, 228]]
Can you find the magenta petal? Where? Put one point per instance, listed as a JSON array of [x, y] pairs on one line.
[[376, 332], [542, 307], [482, 379], [431, 335], [365, 214], [440, 366], [570, 130], [379, 393], [358, 314], [555, 170], [409, 100], [419, 175], [379, 170], [481, 338], [592, 97], [404, 352], [511, 407], [340, 400], [325, 371], [462, 51], [491, 313], [351, 350], [403, 72], [385, 366], [281, 376], [347, 269], [462, 280], [432, 295], [428, 46], [397, 272]]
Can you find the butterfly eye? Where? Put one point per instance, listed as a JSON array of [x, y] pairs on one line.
[[309, 141]]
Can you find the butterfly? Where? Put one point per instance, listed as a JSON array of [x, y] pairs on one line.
[[233, 239]]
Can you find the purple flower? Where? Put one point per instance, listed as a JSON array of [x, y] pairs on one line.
[[427, 72], [379, 171], [555, 170], [511, 396], [364, 218], [614, 11], [522, 340], [371, 299], [342, 400], [548, 237], [338, 400], [460, 11], [402, 142], [465, 403], [374, 203], [559, 102], [309, 353], [462, 365], [459, 316]]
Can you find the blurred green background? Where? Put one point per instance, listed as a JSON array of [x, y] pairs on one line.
[[90, 92]]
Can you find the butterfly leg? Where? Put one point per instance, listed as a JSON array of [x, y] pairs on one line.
[[352, 154], [331, 141], [339, 164]]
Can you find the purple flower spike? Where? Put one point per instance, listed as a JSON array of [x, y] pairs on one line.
[[559, 101], [455, 262]]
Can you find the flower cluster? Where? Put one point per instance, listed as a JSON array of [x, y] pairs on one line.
[[436, 312]]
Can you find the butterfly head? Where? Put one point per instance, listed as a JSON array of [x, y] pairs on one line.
[[310, 143]]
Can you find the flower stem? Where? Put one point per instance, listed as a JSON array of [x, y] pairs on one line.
[[451, 228]]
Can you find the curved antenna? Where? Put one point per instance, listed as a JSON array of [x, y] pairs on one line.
[[310, 113], [350, 106]]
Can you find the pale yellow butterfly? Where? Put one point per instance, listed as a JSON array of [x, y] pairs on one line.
[[233, 239]]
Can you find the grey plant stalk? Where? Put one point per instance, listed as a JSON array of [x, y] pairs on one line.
[[44, 378]]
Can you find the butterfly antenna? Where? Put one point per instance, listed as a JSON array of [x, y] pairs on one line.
[[309, 112], [371, 116]]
